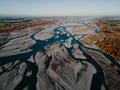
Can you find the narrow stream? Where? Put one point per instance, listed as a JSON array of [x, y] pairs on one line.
[[60, 34]]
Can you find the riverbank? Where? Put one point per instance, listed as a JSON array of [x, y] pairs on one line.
[[109, 38], [22, 29]]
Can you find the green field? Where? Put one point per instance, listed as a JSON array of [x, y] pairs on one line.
[[2, 24], [11, 21]]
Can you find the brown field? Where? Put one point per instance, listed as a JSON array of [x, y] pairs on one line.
[[109, 40]]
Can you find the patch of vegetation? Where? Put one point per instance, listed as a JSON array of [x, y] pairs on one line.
[[7, 22], [2, 24], [111, 46], [110, 39], [117, 29]]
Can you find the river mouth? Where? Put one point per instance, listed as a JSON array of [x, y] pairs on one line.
[[54, 57]]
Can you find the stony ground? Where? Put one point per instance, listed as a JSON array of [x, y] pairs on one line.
[[59, 56]]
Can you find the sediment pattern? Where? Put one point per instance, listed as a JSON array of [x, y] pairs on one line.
[[54, 58]]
